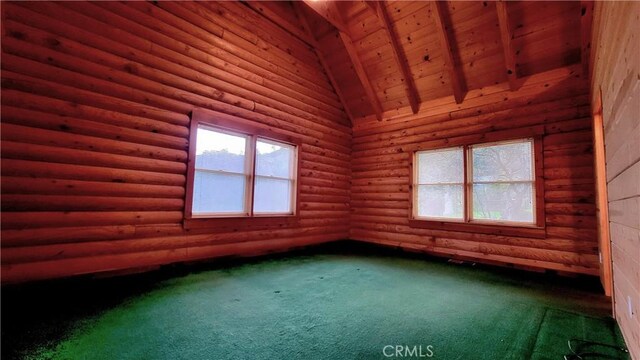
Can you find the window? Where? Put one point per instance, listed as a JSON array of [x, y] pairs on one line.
[[274, 178], [240, 172], [440, 186], [502, 182], [493, 183], [222, 172]]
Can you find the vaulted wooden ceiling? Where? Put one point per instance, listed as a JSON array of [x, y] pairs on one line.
[[382, 56]]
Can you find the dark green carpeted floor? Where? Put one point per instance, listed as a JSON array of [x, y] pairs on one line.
[[309, 306]]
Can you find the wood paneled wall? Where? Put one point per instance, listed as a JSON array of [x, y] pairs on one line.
[[95, 112], [95, 107], [558, 100], [616, 73]]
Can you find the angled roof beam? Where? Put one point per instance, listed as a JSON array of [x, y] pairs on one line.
[[409, 86], [506, 34], [457, 81], [329, 12], [586, 21], [323, 62], [362, 75]]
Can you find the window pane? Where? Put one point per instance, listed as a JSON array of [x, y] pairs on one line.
[[440, 166], [503, 201], [440, 201], [220, 151], [218, 193], [274, 159], [272, 196], [507, 162]]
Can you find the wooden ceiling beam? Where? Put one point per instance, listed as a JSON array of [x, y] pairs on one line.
[[506, 34], [396, 51], [362, 74], [455, 74], [586, 23], [330, 12], [307, 29]]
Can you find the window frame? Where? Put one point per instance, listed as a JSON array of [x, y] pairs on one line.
[[247, 173], [470, 183], [293, 173], [415, 185], [468, 224], [253, 132]]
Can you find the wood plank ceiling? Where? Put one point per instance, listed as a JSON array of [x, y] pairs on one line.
[[384, 56]]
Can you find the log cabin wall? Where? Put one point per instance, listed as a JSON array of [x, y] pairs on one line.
[[96, 98], [558, 100], [616, 75], [432, 73], [95, 112]]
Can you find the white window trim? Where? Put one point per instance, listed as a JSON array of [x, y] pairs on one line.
[[468, 187], [250, 160]]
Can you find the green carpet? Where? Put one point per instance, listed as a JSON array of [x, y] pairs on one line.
[[322, 306]]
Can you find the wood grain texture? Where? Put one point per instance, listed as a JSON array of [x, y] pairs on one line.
[[361, 72], [330, 12], [396, 51], [542, 36], [97, 96], [506, 34], [444, 34], [556, 104], [96, 103], [616, 75], [302, 18]]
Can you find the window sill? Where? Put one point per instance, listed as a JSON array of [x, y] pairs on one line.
[[493, 229], [240, 222]]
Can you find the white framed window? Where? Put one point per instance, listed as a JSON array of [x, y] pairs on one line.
[[502, 182], [274, 178], [440, 184], [244, 171], [222, 173], [489, 183]]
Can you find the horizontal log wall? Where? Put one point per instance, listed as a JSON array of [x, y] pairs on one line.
[[95, 104], [557, 100], [95, 107], [616, 74]]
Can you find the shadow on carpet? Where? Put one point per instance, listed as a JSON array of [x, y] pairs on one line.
[[323, 306]]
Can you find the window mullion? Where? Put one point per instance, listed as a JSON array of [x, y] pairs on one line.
[[503, 182], [292, 192], [504, 202], [273, 177], [251, 169], [442, 183], [467, 188], [534, 175], [416, 185], [220, 172]]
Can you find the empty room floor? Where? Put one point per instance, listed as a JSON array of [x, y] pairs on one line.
[[324, 304]]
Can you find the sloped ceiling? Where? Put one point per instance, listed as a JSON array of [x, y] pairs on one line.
[[446, 48]]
